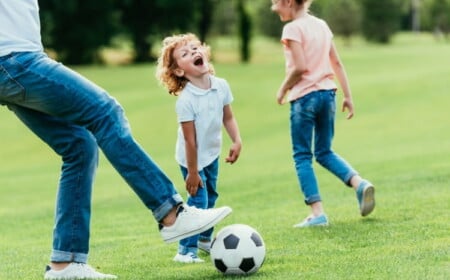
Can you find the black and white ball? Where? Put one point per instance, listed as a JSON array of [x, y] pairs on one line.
[[238, 249]]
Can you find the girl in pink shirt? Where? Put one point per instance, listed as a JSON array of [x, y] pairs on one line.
[[312, 61]]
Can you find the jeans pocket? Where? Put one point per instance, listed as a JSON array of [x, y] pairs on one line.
[[10, 90]]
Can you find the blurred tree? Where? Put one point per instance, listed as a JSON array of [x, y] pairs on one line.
[[344, 17], [77, 29], [143, 20], [205, 13], [318, 8], [225, 18], [440, 11], [415, 15], [268, 22], [146, 22], [245, 26], [426, 18], [381, 19]]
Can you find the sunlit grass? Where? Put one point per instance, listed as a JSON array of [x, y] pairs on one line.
[[399, 139]]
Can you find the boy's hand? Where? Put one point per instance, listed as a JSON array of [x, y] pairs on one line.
[[193, 182], [234, 153]]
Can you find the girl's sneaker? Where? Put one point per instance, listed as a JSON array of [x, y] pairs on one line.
[[188, 258], [366, 197], [312, 221]]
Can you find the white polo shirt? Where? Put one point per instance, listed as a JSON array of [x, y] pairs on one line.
[[205, 108], [19, 26]]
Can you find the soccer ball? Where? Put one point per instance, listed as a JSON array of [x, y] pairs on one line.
[[238, 249]]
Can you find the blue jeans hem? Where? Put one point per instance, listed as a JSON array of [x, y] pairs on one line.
[[314, 198], [162, 211], [61, 256]]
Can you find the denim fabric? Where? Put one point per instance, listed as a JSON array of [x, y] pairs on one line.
[[312, 117], [204, 199], [75, 117]]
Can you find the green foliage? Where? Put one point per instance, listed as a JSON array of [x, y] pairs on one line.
[[440, 12], [268, 22], [344, 17], [398, 139], [381, 19], [77, 29], [225, 18], [147, 22], [245, 28], [205, 14]]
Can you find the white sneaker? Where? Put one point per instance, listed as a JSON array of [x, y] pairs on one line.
[[188, 258], [76, 271], [205, 246], [191, 221]]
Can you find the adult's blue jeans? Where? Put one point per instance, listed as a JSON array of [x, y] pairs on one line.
[[312, 117], [204, 199], [75, 117]]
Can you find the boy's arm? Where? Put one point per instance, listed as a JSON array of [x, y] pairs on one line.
[[341, 75], [231, 126], [193, 179]]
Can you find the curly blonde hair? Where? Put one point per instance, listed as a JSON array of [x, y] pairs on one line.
[[165, 69]]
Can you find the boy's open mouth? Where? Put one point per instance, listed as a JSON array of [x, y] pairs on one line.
[[198, 61]]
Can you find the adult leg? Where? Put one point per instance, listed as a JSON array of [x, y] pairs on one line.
[[53, 89], [78, 150]]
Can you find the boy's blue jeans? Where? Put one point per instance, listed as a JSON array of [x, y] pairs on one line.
[[204, 199], [74, 117], [312, 117]]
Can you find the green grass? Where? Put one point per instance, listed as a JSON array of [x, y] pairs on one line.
[[399, 139]]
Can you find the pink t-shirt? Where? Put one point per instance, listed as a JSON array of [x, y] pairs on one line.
[[315, 37]]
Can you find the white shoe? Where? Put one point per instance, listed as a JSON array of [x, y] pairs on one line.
[[205, 246], [191, 221], [76, 271], [188, 258]]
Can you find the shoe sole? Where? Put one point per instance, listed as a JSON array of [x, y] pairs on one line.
[[189, 261], [218, 219], [368, 201], [309, 226], [207, 251]]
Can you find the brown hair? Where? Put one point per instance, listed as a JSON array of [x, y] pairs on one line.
[[167, 64]]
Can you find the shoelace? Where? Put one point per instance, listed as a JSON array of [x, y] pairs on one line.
[[88, 270]]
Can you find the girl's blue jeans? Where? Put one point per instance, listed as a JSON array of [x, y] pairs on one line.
[[205, 198], [75, 117], [312, 119]]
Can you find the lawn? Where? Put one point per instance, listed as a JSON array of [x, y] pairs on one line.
[[399, 139]]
